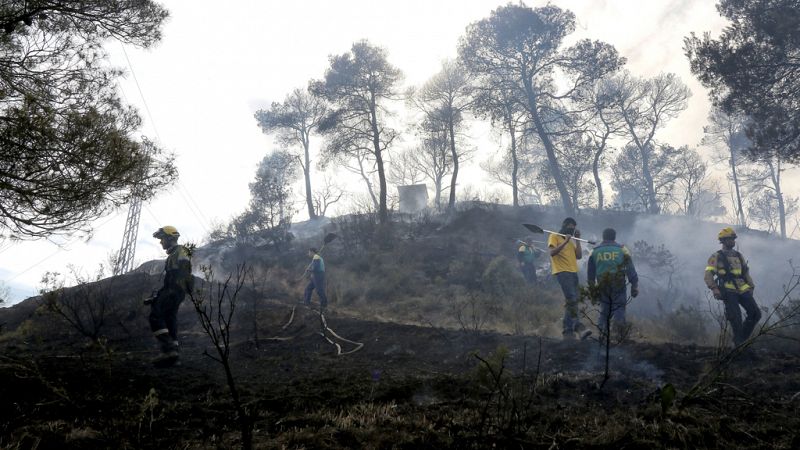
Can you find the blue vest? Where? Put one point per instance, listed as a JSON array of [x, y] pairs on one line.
[[609, 258]]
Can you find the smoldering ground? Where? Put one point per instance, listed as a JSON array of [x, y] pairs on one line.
[[426, 302]]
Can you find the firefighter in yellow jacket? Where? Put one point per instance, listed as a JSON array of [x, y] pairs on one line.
[[728, 277], [178, 282]]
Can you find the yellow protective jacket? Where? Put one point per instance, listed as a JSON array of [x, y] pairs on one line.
[[178, 279], [738, 280]]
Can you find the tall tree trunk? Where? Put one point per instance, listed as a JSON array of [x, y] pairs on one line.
[[739, 208], [549, 148], [555, 169], [596, 173], [438, 184], [451, 132], [775, 170], [307, 174], [782, 213], [596, 166], [653, 207], [514, 163], [370, 190], [644, 146], [383, 213]]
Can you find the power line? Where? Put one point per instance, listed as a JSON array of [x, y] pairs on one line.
[[139, 88], [199, 220], [187, 197]]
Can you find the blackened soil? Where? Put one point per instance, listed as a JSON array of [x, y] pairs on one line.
[[407, 387]]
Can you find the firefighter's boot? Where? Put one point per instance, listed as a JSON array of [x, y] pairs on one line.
[[170, 355]]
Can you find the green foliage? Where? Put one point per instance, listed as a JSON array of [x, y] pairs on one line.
[[466, 270], [269, 214], [357, 84], [68, 151], [667, 394], [503, 280], [443, 100], [293, 121], [656, 256], [636, 192], [520, 49], [491, 370], [752, 68], [358, 232]]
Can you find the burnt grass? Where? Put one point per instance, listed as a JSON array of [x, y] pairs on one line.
[[409, 386]]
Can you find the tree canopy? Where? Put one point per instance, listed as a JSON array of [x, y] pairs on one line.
[[753, 67], [357, 84], [68, 145], [293, 121], [522, 49]]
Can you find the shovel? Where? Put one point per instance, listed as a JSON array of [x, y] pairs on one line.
[[538, 229]]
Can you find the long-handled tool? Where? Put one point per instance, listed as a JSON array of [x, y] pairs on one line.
[[538, 229], [520, 241], [328, 238]]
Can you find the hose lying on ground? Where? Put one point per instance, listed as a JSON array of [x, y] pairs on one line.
[[339, 352], [325, 327], [284, 327]]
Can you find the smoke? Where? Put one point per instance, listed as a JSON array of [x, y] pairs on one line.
[[621, 360], [691, 242]]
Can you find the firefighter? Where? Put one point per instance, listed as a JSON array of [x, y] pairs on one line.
[[526, 256], [178, 282], [609, 265], [316, 279], [564, 255], [728, 277]]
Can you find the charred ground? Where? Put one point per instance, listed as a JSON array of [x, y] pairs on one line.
[[457, 354]]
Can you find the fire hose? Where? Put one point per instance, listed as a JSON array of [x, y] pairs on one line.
[[324, 328]]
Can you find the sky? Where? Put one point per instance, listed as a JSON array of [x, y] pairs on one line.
[[198, 89]]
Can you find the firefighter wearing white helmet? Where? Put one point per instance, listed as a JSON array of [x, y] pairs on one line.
[[178, 282], [728, 277]]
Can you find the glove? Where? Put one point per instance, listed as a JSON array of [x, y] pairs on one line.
[[717, 294], [634, 291], [149, 301]]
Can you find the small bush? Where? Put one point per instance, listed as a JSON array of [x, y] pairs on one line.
[[503, 280], [358, 232]]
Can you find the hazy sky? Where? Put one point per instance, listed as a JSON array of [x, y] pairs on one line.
[[217, 65]]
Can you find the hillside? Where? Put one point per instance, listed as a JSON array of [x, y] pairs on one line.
[[441, 344]]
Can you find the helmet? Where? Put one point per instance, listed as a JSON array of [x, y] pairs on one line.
[[166, 232], [726, 233]]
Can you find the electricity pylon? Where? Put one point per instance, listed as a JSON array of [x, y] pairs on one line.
[[128, 248]]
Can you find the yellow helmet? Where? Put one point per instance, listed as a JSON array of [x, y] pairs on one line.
[[726, 233], [167, 231]]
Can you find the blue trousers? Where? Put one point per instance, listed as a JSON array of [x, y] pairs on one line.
[[612, 303], [316, 283], [569, 286]]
